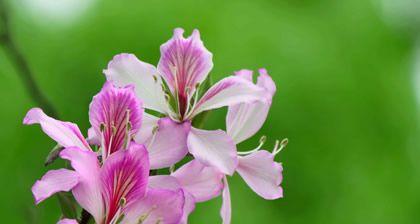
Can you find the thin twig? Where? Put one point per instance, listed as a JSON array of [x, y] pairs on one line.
[[21, 64]]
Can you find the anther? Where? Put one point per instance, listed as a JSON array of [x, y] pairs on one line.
[[280, 146], [123, 202], [102, 127], [155, 78]]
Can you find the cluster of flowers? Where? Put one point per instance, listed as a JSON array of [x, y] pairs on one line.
[[113, 174]]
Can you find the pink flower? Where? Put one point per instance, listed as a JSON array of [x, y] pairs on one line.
[[257, 167], [173, 89], [116, 191]]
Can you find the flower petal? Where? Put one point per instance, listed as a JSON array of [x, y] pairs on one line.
[[245, 119], [67, 221], [114, 108], [229, 91], [125, 69], [124, 176], [54, 181], [184, 62], [88, 192], [171, 183], [158, 206], [213, 148], [203, 182], [226, 211], [64, 133], [169, 145], [148, 124], [262, 174]]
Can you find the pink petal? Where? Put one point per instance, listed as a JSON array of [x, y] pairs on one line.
[[124, 175], [88, 192], [229, 91], [169, 145], [125, 69], [64, 133], [213, 148], [171, 183], [184, 63], [114, 107], [161, 205], [262, 174], [226, 210], [54, 181], [148, 123], [203, 182], [67, 221], [245, 119]]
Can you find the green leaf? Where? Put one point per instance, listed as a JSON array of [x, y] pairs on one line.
[[67, 205]]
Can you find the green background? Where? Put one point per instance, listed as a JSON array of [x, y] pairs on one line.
[[346, 98]]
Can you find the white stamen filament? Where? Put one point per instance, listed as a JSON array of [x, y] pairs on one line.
[[262, 141], [154, 132], [280, 146], [196, 94]]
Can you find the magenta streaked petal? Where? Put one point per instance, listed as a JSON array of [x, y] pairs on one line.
[[158, 206], [229, 91], [64, 133], [114, 107], [67, 221], [245, 119], [262, 174], [213, 148], [88, 192], [184, 62], [124, 176], [125, 69], [169, 145], [54, 181], [203, 182], [148, 123], [226, 210]]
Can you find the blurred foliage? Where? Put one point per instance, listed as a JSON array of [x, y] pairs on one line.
[[345, 99]]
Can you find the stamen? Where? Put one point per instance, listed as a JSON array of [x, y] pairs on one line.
[[146, 215], [280, 146], [261, 143], [127, 130], [102, 127], [154, 131], [123, 202], [155, 78], [196, 95]]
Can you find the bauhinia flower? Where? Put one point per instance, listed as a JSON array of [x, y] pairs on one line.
[[257, 167], [117, 191], [173, 89]]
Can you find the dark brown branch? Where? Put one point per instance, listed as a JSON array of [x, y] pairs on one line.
[[21, 64]]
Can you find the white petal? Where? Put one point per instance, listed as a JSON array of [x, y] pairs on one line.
[[262, 174], [213, 148], [126, 69]]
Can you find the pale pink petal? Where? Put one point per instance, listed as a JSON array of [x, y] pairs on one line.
[[148, 124], [226, 211], [124, 176], [64, 133], [67, 221], [114, 109], [184, 63], [229, 91], [88, 192], [93, 139], [262, 174], [125, 69], [171, 183], [54, 181], [245, 119], [203, 182], [213, 148], [158, 206], [169, 144]]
